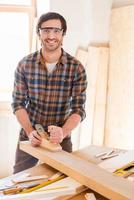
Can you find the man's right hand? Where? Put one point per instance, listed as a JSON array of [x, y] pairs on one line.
[[34, 138]]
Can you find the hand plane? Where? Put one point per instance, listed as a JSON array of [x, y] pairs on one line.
[[45, 139]]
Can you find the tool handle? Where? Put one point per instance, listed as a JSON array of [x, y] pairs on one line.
[[41, 131], [12, 190]]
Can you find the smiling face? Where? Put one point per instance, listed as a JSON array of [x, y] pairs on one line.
[[51, 35]]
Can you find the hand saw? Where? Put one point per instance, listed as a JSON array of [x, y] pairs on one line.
[[45, 139]]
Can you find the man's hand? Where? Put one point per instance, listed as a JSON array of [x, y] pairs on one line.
[[56, 134], [34, 138]]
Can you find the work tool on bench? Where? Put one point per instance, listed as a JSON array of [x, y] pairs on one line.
[[57, 177], [126, 170], [45, 139], [17, 189], [107, 154]]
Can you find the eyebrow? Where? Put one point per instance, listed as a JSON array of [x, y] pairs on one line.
[[50, 28]]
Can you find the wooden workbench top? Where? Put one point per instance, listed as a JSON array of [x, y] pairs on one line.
[[84, 171]]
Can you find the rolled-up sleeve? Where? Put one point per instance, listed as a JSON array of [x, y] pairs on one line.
[[20, 90], [79, 92]]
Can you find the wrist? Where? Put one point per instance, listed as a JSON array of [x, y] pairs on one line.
[[29, 128], [31, 133], [66, 132]]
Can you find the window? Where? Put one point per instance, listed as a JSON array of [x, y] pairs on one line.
[[16, 31], [14, 45], [16, 2]]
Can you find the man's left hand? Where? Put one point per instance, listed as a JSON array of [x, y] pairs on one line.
[[56, 134]]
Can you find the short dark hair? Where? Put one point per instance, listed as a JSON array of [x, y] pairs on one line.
[[51, 15]]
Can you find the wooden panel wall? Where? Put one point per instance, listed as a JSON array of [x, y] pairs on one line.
[[120, 109]]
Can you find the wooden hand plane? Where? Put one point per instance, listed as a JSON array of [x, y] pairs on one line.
[[45, 139]]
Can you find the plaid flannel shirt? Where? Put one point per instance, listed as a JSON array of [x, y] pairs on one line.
[[50, 98]]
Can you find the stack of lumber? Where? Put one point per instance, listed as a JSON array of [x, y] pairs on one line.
[[110, 98], [95, 61]]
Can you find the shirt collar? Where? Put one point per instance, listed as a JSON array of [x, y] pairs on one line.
[[62, 60]]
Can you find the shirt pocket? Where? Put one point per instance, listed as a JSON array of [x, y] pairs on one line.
[[67, 86]]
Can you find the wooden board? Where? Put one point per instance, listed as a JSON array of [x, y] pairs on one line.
[[86, 173], [91, 70], [100, 98], [120, 104], [96, 65], [81, 55]]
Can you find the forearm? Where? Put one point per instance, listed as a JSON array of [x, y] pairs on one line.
[[71, 123], [23, 119]]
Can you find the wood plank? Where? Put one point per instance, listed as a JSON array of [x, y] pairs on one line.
[[96, 62], [86, 173], [92, 71], [100, 98], [81, 55]]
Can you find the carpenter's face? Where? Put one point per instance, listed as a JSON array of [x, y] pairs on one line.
[[51, 35]]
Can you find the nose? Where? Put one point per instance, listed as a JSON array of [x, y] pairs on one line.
[[51, 34]]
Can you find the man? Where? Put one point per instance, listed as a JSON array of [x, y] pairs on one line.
[[49, 89]]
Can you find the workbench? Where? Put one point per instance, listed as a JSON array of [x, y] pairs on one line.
[[82, 166]]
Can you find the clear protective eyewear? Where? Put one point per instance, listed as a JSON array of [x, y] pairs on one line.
[[54, 30]]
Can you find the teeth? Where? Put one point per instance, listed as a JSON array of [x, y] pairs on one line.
[[51, 41]]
